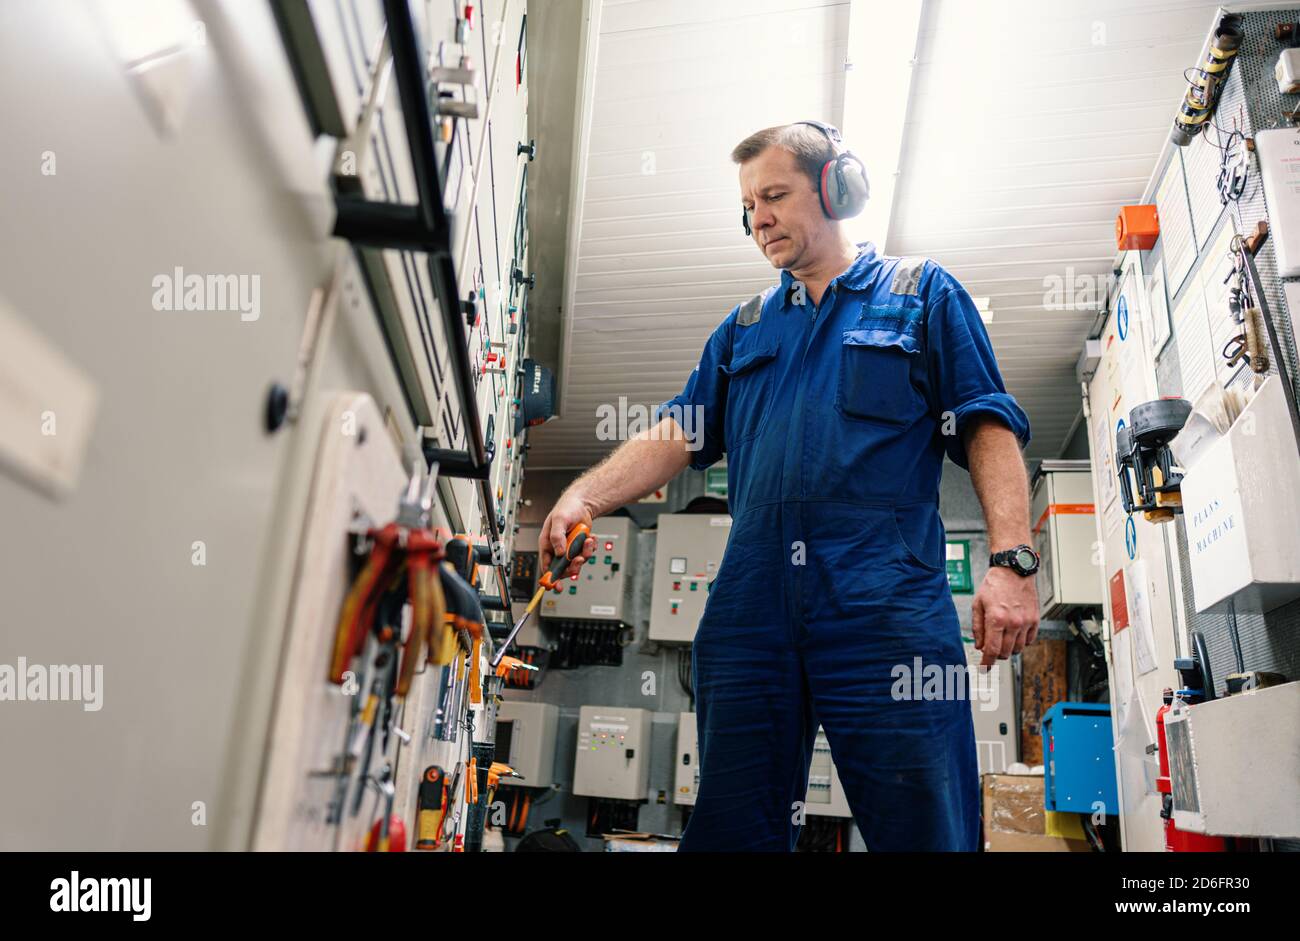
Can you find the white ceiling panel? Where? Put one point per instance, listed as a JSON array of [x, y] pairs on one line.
[[1028, 125]]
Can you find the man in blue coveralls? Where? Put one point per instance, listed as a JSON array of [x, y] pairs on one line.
[[835, 395]]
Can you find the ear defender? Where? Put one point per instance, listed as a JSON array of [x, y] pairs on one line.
[[844, 187]]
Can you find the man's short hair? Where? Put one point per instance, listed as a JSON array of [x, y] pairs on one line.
[[810, 147]]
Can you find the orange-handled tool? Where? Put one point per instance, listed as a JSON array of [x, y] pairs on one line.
[[577, 538]]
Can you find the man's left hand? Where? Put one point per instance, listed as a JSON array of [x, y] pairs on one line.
[[1004, 617]]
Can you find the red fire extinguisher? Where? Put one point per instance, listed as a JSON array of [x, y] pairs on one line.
[[1177, 841]]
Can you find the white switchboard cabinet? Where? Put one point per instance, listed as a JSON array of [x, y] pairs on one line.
[[993, 710], [526, 742], [1065, 536], [688, 553], [825, 792], [603, 589], [613, 753]]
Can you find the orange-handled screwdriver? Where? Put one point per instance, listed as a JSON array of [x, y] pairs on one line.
[[576, 539]]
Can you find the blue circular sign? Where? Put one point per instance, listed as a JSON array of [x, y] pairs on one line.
[[1130, 537], [1121, 317]]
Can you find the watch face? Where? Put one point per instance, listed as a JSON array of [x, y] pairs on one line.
[[1025, 559]]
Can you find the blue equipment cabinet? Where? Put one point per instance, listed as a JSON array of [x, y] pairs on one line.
[[1079, 758]]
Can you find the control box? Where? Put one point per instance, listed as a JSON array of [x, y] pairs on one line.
[[688, 553], [1235, 766], [993, 709], [1241, 512], [686, 777], [523, 584], [602, 591], [613, 753], [825, 793], [1065, 536], [1079, 759], [525, 740]]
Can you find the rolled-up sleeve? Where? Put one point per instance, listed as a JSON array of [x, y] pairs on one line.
[[700, 408], [963, 370]]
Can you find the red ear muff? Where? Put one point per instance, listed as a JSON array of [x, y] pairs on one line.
[[828, 204], [842, 199]]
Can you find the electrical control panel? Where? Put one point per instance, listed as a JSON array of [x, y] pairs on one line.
[[613, 753], [825, 793], [602, 591], [993, 709], [688, 553], [1065, 531], [1234, 764], [525, 741], [524, 573], [686, 776]]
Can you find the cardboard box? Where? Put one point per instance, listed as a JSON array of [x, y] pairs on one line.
[[1015, 820], [621, 842]]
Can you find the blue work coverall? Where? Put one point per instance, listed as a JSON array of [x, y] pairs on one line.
[[833, 419]]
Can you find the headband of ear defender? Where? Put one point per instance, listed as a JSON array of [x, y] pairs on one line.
[[844, 188]]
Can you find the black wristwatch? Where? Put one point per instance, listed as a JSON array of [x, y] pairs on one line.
[[1020, 559]]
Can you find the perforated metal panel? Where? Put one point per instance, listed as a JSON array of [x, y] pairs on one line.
[[1270, 641]]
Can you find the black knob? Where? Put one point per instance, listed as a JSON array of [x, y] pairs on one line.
[[529, 148], [277, 406]]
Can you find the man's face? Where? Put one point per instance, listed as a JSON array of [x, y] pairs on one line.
[[787, 219]]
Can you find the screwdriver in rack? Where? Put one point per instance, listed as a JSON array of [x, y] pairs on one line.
[[576, 539]]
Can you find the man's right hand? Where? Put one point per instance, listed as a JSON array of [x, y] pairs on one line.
[[567, 513]]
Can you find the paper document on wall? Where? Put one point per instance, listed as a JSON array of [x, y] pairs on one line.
[[1121, 670], [1138, 765], [1192, 330], [1202, 163], [1104, 460], [1175, 222], [1139, 607]]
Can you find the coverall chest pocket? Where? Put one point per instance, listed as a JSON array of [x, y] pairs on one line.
[[876, 376], [749, 394]]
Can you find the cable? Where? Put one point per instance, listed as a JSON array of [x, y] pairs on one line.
[[684, 678], [1236, 637]]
